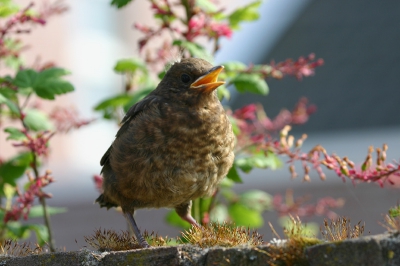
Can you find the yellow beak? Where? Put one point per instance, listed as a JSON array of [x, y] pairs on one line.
[[208, 82]]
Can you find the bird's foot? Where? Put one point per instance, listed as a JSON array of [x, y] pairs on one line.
[[143, 243]]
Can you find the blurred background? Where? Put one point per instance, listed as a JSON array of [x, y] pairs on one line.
[[356, 92]]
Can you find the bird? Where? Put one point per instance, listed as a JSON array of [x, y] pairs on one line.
[[173, 146]]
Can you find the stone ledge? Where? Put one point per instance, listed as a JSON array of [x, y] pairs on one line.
[[184, 255], [370, 250], [375, 250]]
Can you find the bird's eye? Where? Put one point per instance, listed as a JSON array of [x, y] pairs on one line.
[[185, 78]]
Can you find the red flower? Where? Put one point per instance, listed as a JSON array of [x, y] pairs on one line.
[[25, 201], [36, 144], [220, 29], [67, 119], [98, 181], [246, 112]]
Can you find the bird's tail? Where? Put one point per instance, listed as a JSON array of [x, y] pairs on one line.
[[104, 203]]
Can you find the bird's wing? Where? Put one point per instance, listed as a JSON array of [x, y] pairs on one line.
[[139, 107]]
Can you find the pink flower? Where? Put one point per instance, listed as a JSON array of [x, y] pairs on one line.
[[202, 25], [246, 112], [67, 119], [220, 29], [196, 26], [297, 207], [301, 112], [36, 144], [25, 200], [98, 182], [303, 67]]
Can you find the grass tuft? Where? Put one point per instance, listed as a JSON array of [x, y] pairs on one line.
[[109, 240], [225, 234], [340, 229], [14, 249]]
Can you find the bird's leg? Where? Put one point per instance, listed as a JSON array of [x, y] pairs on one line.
[[139, 237], [183, 211]]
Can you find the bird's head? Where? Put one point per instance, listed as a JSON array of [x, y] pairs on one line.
[[191, 78]]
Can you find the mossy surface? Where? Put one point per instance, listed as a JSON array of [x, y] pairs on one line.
[[372, 250]]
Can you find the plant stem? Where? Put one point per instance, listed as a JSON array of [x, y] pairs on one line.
[[36, 173], [47, 223], [213, 201], [196, 210], [42, 200]]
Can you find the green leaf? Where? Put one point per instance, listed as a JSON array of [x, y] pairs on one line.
[[138, 96], [250, 83], [174, 219], [243, 216], [17, 231], [223, 92], [234, 66], [49, 83], [247, 13], [41, 232], [234, 175], [195, 50], [228, 193], [235, 127], [46, 83], [37, 211], [7, 92], [226, 183], [15, 168], [10, 104], [307, 230], [161, 74], [257, 200], [120, 3], [51, 87], [245, 164], [37, 120], [9, 192], [51, 73], [12, 61], [109, 106], [258, 160], [206, 5], [25, 78], [7, 8], [113, 102], [219, 213], [15, 133], [205, 204], [130, 65]]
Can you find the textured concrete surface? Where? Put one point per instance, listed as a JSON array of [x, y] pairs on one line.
[[184, 255], [364, 251], [378, 250]]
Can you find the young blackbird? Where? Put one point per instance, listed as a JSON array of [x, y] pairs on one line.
[[174, 146]]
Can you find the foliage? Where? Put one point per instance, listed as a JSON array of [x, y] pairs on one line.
[[32, 128]]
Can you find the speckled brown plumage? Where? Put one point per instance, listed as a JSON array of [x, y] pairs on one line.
[[173, 146]]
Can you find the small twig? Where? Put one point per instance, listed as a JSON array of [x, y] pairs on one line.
[[36, 173]]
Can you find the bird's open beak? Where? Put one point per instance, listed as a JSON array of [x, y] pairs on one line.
[[208, 82]]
